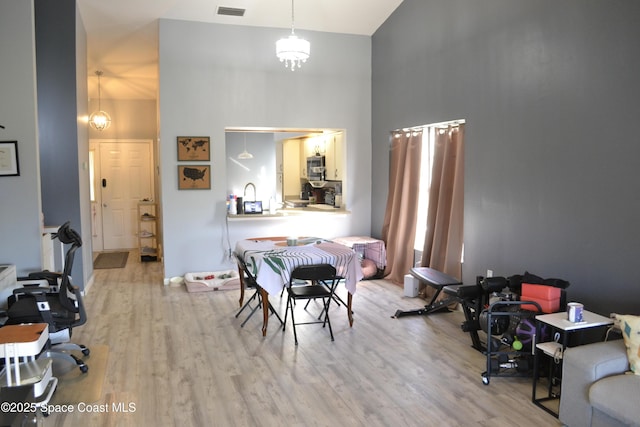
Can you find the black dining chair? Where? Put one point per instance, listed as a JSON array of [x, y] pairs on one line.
[[339, 301], [323, 281], [249, 281]]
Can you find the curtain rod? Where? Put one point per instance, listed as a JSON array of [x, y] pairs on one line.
[[439, 125]]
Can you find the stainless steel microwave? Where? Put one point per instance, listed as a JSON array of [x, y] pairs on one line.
[[316, 168]]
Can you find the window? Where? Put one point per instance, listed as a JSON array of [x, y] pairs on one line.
[[426, 166]]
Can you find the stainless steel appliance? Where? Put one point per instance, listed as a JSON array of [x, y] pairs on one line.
[[316, 170], [330, 197]]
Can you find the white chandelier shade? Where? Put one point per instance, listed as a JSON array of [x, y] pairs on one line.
[[293, 51]]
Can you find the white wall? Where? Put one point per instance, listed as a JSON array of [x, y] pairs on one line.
[[261, 170], [217, 76], [20, 207], [130, 118]]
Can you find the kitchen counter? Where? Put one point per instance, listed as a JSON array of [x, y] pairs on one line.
[[310, 210]]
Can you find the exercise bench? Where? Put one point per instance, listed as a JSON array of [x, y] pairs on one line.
[[439, 281]]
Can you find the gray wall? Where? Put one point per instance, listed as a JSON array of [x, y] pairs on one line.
[[217, 76], [61, 90], [20, 195], [549, 90], [82, 101]]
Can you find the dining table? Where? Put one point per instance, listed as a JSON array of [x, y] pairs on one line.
[[272, 259]]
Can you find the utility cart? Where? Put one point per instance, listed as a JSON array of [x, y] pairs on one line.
[[510, 354]]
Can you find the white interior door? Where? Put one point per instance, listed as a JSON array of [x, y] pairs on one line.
[[125, 179]]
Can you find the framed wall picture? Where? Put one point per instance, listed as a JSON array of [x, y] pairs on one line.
[[9, 165], [194, 177], [194, 148]]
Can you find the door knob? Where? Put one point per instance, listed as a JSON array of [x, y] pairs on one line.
[[104, 205]]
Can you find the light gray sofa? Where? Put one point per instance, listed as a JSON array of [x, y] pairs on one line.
[[595, 389]]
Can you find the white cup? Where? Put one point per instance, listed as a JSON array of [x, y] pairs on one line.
[[292, 241], [574, 312]]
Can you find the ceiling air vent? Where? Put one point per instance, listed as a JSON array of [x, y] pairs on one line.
[[230, 11]]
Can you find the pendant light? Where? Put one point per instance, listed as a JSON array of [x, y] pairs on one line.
[[293, 50], [99, 120], [245, 154]]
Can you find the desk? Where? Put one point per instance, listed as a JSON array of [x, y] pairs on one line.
[[558, 322], [26, 341], [271, 264], [18, 341], [23, 340]]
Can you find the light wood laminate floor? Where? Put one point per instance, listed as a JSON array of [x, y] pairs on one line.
[[183, 360]]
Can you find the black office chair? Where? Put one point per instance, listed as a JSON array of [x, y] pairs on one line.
[[53, 300], [323, 285], [249, 281]]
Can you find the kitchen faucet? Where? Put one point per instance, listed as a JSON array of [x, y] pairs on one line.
[[244, 195]]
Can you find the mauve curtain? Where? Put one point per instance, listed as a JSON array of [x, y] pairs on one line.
[[443, 241], [399, 227]]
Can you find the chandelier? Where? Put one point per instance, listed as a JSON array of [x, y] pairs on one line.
[[292, 50], [99, 120]]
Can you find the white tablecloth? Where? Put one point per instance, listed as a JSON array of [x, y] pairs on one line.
[[272, 264]]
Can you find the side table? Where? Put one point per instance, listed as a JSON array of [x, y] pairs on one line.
[[562, 327], [19, 346]]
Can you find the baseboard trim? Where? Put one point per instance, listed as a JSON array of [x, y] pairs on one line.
[[87, 285]]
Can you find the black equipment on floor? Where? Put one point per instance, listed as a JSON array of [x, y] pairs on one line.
[[504, 356], [435, 279], [473, 299], [492, 305]]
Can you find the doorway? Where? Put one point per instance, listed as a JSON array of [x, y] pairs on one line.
[[121, 175]]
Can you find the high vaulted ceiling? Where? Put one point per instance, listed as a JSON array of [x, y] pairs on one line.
[[123, 43]]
